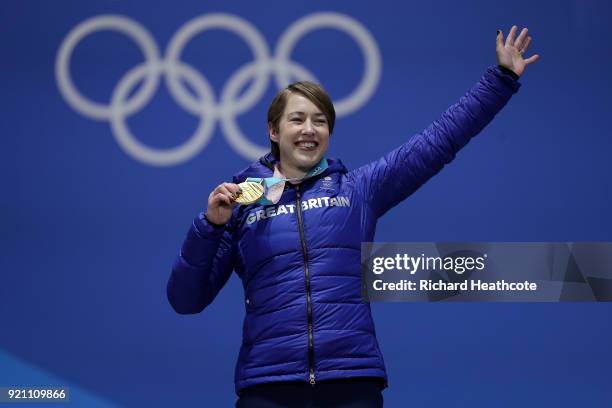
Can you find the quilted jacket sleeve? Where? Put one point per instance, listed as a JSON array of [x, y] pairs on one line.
[[202, 268], [391, 179]]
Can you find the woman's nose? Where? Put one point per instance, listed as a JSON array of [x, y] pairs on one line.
[[307, 127]]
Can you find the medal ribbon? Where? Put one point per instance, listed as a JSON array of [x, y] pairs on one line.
[[274, 186]]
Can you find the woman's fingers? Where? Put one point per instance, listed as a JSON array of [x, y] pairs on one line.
[[512, 53], [224, 194], [519, 43], [232, 188], [499, 40], [229, 189], [224, 198], [220, 203], [222, 189], [511, 35], [532, 59], [217, 198], [526, 45]]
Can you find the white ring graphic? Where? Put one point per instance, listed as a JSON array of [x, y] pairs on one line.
[[124, 25], [360, 34], [204, 104]]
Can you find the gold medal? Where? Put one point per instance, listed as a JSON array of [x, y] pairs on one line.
[[250, 192]]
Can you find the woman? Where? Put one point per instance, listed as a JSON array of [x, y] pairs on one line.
[[295, 242]]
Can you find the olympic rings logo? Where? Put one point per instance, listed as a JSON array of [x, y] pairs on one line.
[[205, 104]]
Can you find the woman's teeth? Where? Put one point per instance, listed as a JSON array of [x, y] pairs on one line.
[[307, 145]]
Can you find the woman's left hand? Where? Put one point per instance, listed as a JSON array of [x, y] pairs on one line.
[[511, 53]]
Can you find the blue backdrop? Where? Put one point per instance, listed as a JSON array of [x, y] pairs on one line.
[[106, 159]]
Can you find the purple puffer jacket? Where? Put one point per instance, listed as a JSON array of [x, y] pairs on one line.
[[299, 260]]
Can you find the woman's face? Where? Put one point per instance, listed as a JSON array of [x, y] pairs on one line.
[[303, 134]]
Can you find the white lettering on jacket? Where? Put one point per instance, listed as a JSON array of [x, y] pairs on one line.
[[283, 209]]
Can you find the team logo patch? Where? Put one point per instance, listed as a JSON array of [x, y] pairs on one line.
[[327, 184]]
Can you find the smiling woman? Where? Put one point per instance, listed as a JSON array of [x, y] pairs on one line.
[[300, 120], [308, 338], [302, 136]]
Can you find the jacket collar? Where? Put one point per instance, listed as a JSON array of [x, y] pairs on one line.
[[264, 167]]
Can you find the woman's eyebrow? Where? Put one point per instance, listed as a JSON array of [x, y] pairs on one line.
[[300, 113]]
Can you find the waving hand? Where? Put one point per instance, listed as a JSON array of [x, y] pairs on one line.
[[511, 53]]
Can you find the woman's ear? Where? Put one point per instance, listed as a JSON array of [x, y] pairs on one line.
[[272, 133]]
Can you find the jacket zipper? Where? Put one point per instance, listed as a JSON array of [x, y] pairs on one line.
[[308, 292]]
